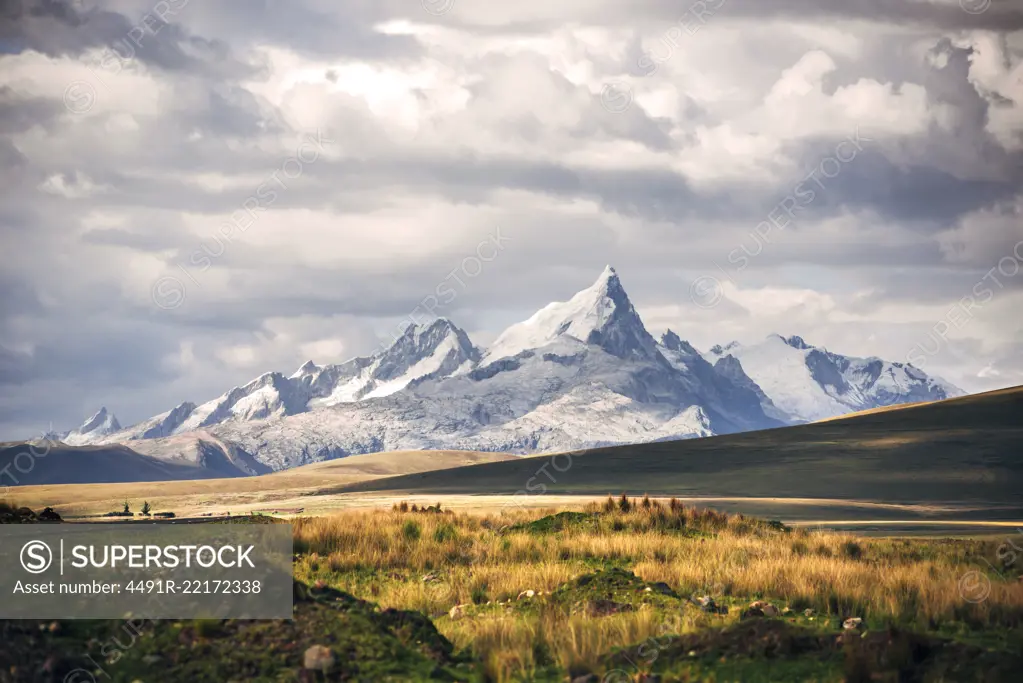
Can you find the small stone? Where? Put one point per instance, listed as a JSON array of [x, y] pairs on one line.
[[751, 613], [852, 623], [808, 612], [429, 578], [319, 658], [526, 594], [152, 659], [706, 603], [648, 589], [771, 611], [54, 626], [457, 612], [758, 604]]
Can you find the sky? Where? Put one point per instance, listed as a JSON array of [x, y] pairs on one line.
[[194, 193]]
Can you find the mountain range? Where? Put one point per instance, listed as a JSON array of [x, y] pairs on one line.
[[577, 374]]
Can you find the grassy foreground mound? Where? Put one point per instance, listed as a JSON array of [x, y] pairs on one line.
[[621, 592], [333, 636], [628, 589]]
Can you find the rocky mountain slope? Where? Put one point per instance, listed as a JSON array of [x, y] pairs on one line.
[[807, 383], [577, 374]]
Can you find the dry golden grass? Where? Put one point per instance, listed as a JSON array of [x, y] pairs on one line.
[[296, 487], [484, 559]]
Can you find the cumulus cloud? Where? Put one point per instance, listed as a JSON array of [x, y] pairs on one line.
[[194, 193]]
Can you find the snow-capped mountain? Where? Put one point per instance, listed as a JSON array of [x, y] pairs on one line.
[[95, 429], [579, 373], [430, 351], [601, 315], [806, 383]]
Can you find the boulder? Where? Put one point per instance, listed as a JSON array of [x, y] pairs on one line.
[[319, 658]]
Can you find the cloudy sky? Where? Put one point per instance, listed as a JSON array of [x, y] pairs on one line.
[[193, 193]]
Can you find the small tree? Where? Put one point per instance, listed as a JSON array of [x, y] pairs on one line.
[[127, 508], [146, 508]]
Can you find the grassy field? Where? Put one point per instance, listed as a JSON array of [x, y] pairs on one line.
[[611, 592], [302, 487]]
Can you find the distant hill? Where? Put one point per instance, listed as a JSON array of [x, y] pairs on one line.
[[63, 464], [967, 449]]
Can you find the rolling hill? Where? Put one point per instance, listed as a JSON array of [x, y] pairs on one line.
[[964, 450], [25, 464]]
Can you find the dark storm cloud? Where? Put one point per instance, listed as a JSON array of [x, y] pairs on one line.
[[59, 28]]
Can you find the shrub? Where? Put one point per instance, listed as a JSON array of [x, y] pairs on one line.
[[852, 550], [445, 532], [411, 530]]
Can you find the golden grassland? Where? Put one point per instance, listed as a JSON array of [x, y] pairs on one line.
[[432, 562], [298, 487]]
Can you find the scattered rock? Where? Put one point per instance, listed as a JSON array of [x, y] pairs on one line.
[[319, 658], [430, 578], [758, 604], [771, 611], [457, 612], [808, 612], [852, 623], [527, 594], [54, 626], [752, 613], [662, 588], [707, 603]]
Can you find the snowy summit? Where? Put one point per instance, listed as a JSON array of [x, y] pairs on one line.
[[577, 373]]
